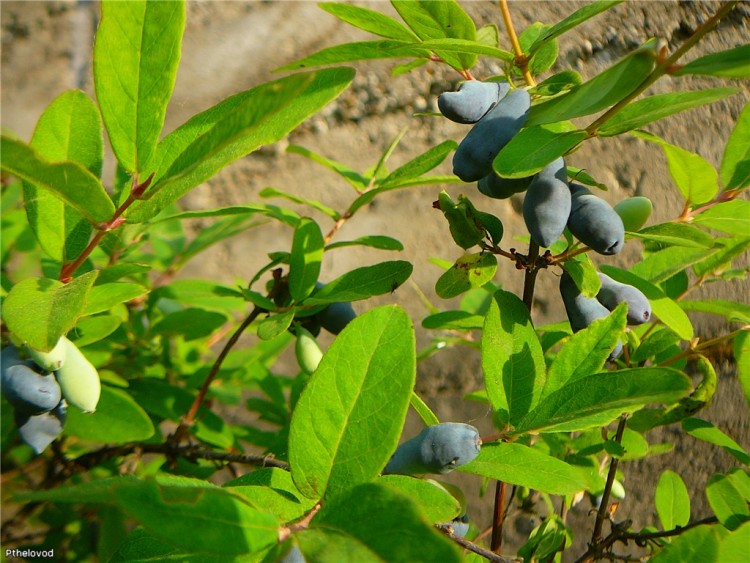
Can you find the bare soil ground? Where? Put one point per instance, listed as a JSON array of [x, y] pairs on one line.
[[231, 46]]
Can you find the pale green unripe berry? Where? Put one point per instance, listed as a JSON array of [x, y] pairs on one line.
[[52, 360], [79, 380], [307, 350], [634, 212]]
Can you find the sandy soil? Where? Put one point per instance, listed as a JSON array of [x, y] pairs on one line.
[[231, 46]]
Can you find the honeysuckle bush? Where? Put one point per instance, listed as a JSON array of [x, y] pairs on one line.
[[97, 260]]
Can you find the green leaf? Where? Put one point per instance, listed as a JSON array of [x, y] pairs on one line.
[[734, 546], [69, 129], [735, 164], [718, 263], [228, 524], [557, 83], [232, 129], [201, 293], [696, 179], [435, 502], [668, 311], [273, 192], [731, 217], [191, 323], [533, 149], [373, 241], [363, 282], [118, 419], [136, 53], [639, 113], [419, 165], [100, 491], [284, 215], [440, 20], [142, 547], [512, 358], [94, 329], [659, 266], [727, 502], [69, 181], [596, 94], [526, 467], [598, 399], [462, 219], [656, 343], [453, 320], [742, 357], [586, 351], [306, 258], [369, 372], [730, 310], [676, 234], [118, 271], [672, 500], [573, 20], [375, 514], [464, 46], [543, 58], [424, 412], [698, 544], [732, 63], [707, 432], [354, 178], [272, 490], [584, 275], [104, 297], [469, 271], [275, 324], [369, 20], [38, 311], [359, 51]]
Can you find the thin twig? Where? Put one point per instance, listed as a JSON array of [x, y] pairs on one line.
[[447, 529], [601, 514]]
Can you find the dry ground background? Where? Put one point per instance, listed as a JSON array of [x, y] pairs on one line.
[[231, 46]]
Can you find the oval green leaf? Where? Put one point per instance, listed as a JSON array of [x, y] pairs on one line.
[[118, 419]]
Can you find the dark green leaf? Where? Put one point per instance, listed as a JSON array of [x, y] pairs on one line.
[[440, 20], [232, 129], [718, 263], [369, 20], [653, 108], [668, 311], [707, 432], [596, 94], [94, 329], [526, 467], [598, 399], [142, 547], [274, 325], [306, 258], [696, 179], [699, 544], [39, 311], [732, 63], [512, 358], [731, 217], [69, 129], [362, 283], [201, 293], [373, 241], [663, 264], [742, 357], [543, 58], [121, 270], [69, 181], [100, 491], [453, 320], [557, 83], [586, 351], [533, 149], [191, 323], [369, 370], [735, 164], [435, 502], [672, 501], [272, 490], [573, 20], [375, 514], [118, 419], [136, 54], [359, 51], [228, 524], [284, 215], [676, 234], [656, 343], [469, 271]]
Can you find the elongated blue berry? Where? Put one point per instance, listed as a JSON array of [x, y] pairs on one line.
[[472, 100], [612, 293], [593, 221], [437, 449], [546, 205]]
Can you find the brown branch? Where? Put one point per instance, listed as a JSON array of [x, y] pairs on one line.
[[601, 514], [447, 529], [521, 61]]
